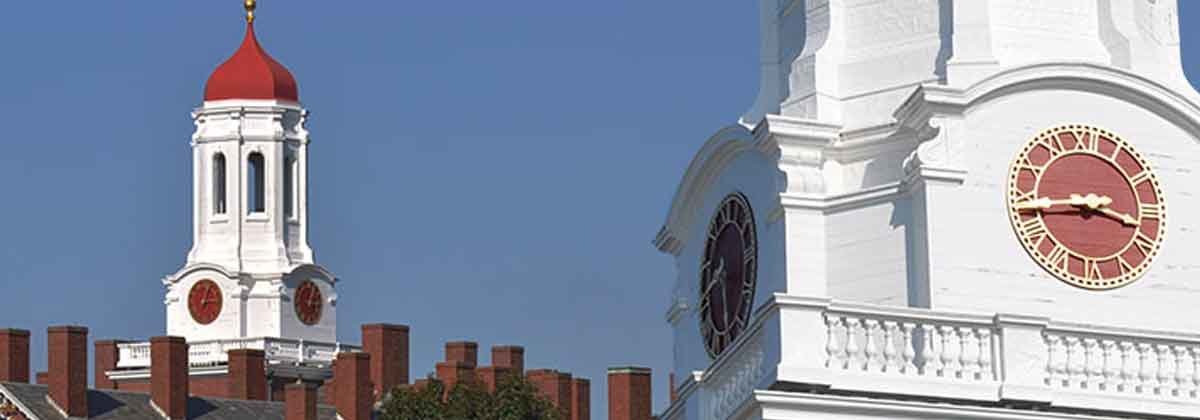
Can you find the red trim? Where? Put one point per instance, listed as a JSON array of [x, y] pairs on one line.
[[251, 73]]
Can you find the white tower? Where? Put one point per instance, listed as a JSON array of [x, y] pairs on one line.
[[946, 209], [250, 272]]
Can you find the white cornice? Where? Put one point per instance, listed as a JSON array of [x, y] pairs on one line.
[[808, 403]]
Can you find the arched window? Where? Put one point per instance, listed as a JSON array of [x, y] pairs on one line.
[[289, 188], [218, 184], [257, 182]]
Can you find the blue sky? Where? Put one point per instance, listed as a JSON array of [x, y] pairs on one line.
[[488, 171]]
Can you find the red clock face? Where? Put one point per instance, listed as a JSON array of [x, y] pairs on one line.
[[308, 303], [1086, 206], [727, 274], [204, 301]]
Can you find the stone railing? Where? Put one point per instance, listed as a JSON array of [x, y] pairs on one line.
[[216, 352], [1085, 363], [818, 342]]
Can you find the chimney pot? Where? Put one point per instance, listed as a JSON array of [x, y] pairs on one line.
[[169, 376], [300, 402], [352, 382], [14, 355], [388, 346], [629, 393], [68, 367], [247, 374]]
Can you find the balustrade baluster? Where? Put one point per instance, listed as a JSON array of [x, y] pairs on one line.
[[1055, 367], [853, 352], [985, 355], [1074, 361], [1164, 377], [890, 363], [1111, 368], [910, 353], [930, 361], [871, 349], [1183, 374], [949, 347], [831, 341], [1195, 351], [1091, 372], [1129, 367], [1145, 371], [968, 358]]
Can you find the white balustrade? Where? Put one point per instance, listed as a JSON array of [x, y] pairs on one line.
[[1123, 364], [216, 352], [904, 345]]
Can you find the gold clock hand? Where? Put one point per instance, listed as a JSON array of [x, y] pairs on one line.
[[1123, 217], [1091, 201]]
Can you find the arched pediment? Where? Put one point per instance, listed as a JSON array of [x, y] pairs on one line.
[[705, 167]]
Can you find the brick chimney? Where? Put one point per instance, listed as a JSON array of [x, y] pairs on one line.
[[169, 376], [43, 378], [352, 382], [465, 352], [453, 372], [388, 346], [511, 357], [554, 386], [247, 374], [581, 399], [14, 355], [629, 393], [68, 367], [300, 402], [106, 357]]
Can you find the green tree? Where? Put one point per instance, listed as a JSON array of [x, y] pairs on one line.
[[515, 399]]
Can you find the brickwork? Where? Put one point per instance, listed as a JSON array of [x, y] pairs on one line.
[[388, 346], [353, 397], [105, 359], [511, 357], [581, 400], [554, 386], [247, 375], [169, 380], [14, 355], [301, 402], [629, 393], [68, 367], [464, 352]]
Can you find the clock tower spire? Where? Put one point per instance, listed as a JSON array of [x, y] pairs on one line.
[[250, 256]]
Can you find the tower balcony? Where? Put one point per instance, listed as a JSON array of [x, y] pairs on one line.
[[212, 353], [801, 351]]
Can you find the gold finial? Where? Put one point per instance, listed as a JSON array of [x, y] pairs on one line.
[[250, 6]]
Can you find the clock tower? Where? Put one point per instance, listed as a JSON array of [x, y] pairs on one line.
[[946, 209], [250, 272]]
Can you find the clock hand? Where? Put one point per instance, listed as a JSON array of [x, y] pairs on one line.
[[1123, 217], [1091, 201]]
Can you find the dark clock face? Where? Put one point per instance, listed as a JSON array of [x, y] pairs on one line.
[[727, 274], [204, 301], [308, 303]]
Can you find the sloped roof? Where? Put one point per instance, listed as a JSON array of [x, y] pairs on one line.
[[103, 404]]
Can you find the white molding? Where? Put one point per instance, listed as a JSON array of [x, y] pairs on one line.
[[18, 403], [800, 404]]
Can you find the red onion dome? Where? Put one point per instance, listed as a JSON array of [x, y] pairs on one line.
[[251, 73]]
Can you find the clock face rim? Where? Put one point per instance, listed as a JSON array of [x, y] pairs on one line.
[[1013, 193], [309, 315], [197, 315], [749, 280]]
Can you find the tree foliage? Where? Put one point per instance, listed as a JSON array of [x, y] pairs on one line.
[[515, 399]]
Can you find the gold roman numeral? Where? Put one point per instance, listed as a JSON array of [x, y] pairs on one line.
[[1034, 230], [1144, 242], [1150, 210], [1141, 177], [1058, 256], [1091, 270], [1126, 267]]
